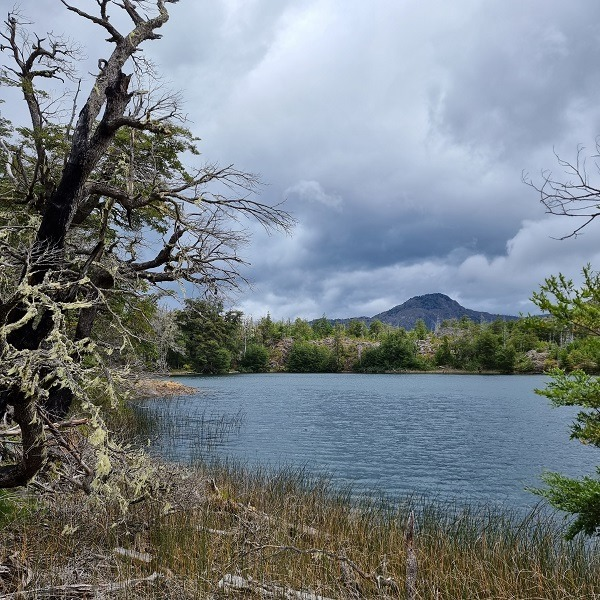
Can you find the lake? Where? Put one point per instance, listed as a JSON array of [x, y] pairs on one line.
[[458, 437]]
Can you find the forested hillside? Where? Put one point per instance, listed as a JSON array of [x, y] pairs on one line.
[[208, 339]]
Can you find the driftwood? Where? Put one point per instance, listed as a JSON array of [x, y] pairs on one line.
[[78, 590], [349, 582], [237, 583], [134, 555]]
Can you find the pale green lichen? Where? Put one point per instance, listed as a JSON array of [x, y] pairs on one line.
[[109, 473]]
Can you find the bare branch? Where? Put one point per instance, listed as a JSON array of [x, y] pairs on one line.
[[163, 257], [130, 8], [574, 195], [103, 20]]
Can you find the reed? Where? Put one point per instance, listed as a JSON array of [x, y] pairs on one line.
[[289, 532], [173, 437]]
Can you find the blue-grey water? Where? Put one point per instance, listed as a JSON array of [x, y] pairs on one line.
[[464, 437]]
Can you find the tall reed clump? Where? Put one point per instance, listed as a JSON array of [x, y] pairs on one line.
[[294, 531], [221, 529]]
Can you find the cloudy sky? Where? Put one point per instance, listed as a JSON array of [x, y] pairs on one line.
[[396, 131]]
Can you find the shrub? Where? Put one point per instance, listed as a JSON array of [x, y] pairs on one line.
[[255, 359], [305, 357]]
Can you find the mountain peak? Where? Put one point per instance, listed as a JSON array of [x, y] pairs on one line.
[[433, 308], [429, 301]]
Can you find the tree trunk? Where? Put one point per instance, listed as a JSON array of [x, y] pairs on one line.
[[98, 121], [33, 442]]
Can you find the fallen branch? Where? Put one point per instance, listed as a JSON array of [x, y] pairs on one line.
[[61, 425], [349, 582], [378, 580], [76, 590], [134, 554], [265, 590]]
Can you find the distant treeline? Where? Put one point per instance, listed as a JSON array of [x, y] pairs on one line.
[[205, 338]]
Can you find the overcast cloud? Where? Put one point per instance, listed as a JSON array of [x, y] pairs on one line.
[[396, 131]]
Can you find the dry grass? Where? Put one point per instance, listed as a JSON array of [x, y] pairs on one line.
[[282, 528]]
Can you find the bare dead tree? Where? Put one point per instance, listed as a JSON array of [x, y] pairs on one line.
[[102, 204], [574, 194]]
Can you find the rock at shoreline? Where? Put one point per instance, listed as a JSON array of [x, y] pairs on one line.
[[157, 388]]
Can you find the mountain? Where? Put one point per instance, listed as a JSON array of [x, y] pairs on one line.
[[432, 308]]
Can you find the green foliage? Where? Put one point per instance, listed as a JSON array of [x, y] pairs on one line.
[[485, 348], [443, 355], [376, 328], [578, 309], [301, 330], [210, 336], [396, 352], [523, 341], [268, 332], [499, 346], [505, 359], [577, 389], [305, 357], [523, 364], [255, 359], [420, 330], [10, 507], [322, 327], [465, 323], [357, 329], [582, 354], [579, 497]]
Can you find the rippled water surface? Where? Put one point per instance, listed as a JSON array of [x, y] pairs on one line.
[[459, 436]]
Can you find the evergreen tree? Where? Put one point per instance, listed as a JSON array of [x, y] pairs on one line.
[[580, 310], [420, 330], [322, 327], [397, 351], [357, 329], [211, 337], [376, 328]]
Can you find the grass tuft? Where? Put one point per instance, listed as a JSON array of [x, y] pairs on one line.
[[289, 530], [273, 533]]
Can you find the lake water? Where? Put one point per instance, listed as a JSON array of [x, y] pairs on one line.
[[463, 437]]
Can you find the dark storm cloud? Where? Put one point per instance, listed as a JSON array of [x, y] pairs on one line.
[[514, 78], [397, 133], [355, 237]]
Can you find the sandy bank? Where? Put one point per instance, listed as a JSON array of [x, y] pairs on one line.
[[149, 387]]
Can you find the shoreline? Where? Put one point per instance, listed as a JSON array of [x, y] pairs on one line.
[[445, 371], [219, 529], [148, 387]]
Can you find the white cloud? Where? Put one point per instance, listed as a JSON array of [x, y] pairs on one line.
[[314, 192], [398, 132]]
